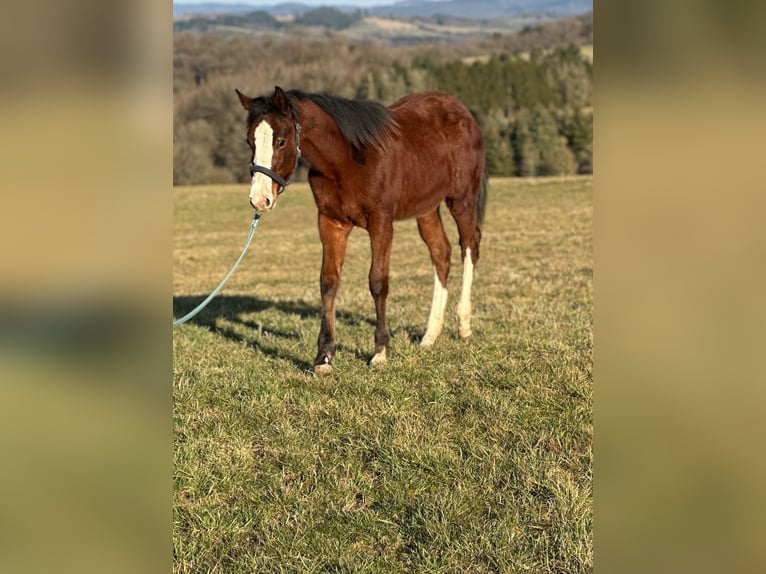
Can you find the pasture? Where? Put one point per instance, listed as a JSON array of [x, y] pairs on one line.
[[468, 456]]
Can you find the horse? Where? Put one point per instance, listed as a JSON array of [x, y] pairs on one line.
[[369, 166]]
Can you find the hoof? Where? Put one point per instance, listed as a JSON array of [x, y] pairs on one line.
[[323, 370], [322, 366], [430, 337], [378, 360], [465, 333]]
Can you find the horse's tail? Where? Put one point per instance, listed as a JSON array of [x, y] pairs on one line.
[[481, 200]]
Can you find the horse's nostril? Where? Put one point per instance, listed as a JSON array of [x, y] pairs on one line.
[[267, 201]]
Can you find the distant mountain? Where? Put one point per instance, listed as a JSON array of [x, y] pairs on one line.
[[294, 8], [211, 8], [484, 8], [474, 9]]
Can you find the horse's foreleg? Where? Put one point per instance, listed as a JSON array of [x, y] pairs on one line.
[[381, 234], [334, 235]]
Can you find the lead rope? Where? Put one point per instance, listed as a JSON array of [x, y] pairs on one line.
[[209, 298]]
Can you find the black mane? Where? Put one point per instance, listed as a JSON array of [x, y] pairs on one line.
[[362, 123]]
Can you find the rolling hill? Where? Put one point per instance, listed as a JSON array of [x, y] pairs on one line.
[[406, 8], [395, 29]]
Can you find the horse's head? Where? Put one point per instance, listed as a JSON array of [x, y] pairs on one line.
[[273, 136]]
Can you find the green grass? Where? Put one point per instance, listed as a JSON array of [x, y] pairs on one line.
[[469, 456]]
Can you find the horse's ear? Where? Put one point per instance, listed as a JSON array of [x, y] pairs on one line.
[[279, 100], [244, 99]]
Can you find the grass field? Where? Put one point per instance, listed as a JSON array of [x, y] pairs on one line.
[[469, 456]]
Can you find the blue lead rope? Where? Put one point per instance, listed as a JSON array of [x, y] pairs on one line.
[[209, 298]]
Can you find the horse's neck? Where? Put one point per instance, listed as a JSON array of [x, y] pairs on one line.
[[322, 144]]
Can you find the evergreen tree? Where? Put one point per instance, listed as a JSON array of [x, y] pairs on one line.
[[497, 146], [554, 155], [578, 129], [525, 151], [570, 77]]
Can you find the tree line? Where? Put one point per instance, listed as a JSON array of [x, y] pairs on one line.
[[535, 107], [261, 20]]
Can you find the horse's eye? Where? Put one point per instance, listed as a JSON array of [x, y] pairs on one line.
[[280, 143]]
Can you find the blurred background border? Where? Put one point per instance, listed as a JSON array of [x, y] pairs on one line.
[[86, 111]]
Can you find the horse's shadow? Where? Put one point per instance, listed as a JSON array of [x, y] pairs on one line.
[[232, 308]]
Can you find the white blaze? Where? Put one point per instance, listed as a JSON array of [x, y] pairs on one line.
[[260, 186], [436, 318], [464, 307]]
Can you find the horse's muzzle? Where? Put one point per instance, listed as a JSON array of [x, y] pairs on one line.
[[263, 204]]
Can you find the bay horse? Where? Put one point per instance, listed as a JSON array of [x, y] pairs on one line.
[[371, 165]]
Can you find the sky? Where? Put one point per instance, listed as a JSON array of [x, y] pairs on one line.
[[360, 3]]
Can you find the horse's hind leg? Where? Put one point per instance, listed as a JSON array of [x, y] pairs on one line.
[[466, 218], [432, 231]]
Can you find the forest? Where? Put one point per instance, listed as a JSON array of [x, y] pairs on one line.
[[531, 90]]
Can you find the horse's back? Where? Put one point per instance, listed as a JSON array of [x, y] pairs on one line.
[[434, 111], [441, 151]]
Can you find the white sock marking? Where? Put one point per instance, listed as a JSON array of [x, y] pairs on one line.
[[436, 318], [464, 307]]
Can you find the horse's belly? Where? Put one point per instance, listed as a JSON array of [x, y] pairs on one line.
[[419, 202]]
